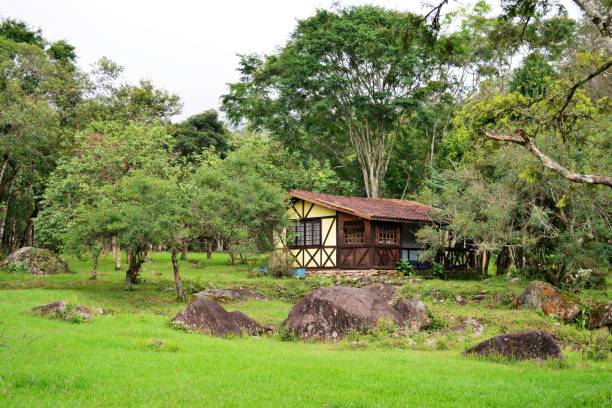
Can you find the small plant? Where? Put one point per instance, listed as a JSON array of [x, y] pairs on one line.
[[598, 347], [286, 334], [437, 270], [404, 267], [17, 267], [384, 327], [280, 263], [162, 345]]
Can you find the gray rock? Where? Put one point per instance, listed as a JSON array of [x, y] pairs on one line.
[[207, 316], [36, 261], [330, 313], [231, 294], [530, 344], [470, 325], [61, 310], [601, 315], [413, 313], [54, 308]]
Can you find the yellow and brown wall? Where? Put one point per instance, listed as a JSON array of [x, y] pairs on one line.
[[315, 256]]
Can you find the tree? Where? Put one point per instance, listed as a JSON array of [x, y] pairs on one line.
[[36, 96], [353, 75], [564, 108], [199, 132], [141, 211], [236, 200]]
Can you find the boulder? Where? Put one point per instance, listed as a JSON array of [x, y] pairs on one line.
[[61, 310], [549, 299], [231, 294], [55, 309], [331, 312], [413, 313], [525, 345], [470, 325], [207, 316], [246, 323], [36, 261], [601, 315], [383, 290]]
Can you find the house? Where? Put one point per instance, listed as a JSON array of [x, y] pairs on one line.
[[354, 233]]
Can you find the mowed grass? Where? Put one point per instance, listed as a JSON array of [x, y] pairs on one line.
[[110, 361]]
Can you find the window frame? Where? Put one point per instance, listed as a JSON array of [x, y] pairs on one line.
[[346, 235], [309, 233]]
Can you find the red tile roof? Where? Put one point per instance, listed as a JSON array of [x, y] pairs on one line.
[[384, 209]]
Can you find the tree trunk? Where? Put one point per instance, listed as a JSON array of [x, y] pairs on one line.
[[135, 261], [184, 250], [177, 277], [232, 255], [116, 254], [503, 261], [209, 249], [94, 269], [485, 263], [5, 210], [219, 245]]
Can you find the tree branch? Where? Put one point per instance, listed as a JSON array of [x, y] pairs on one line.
[[522, 139], [593, 10], [603, 67]]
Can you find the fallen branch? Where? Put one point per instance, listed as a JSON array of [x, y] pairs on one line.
[[522, 139]]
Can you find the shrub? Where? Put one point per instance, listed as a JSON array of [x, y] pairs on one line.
[[598, 346], [437, 270], [280, 263], [404, 267], [286, 334]]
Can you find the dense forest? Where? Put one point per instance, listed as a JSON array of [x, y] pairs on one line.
[[500, 122]]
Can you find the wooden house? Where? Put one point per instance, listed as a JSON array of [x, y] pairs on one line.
[[338, 232]]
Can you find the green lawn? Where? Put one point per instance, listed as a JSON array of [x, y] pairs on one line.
[[110, 362]]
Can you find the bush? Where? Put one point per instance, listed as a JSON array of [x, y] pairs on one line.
[[280, 263], [404, 267], [598, 347], [286, 334]]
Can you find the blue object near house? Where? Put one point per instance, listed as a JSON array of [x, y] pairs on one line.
[[261, 269], [299, 272]]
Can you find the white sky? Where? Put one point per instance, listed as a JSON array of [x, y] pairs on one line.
[[186, 47]]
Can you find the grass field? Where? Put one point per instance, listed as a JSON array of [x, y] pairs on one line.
[[110, 361]]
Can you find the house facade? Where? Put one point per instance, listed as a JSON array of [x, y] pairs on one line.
[[354, 233]]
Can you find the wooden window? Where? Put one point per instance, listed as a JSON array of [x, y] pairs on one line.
[[387, 234], [354, 232], [307, 233]]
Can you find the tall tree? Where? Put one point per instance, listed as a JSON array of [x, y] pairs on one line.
[[199, 132], [354, 75]]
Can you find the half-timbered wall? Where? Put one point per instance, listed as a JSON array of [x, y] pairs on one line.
[[322, 255]]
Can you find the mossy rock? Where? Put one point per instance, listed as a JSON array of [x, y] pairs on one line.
[[552, 301], [36, 261]]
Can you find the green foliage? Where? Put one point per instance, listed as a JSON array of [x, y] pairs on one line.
[[531, 78], [404, 267], [599, 346], [346, 77], [437, 270], [237, 200], [19, 32], [200, 132], [140, 210], [105, 153]]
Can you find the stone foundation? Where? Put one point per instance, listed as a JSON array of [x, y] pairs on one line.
[[351, 273]]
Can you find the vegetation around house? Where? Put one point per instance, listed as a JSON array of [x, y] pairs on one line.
[[497, 118]]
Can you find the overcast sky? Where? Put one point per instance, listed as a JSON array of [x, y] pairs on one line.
[[186, 47]]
